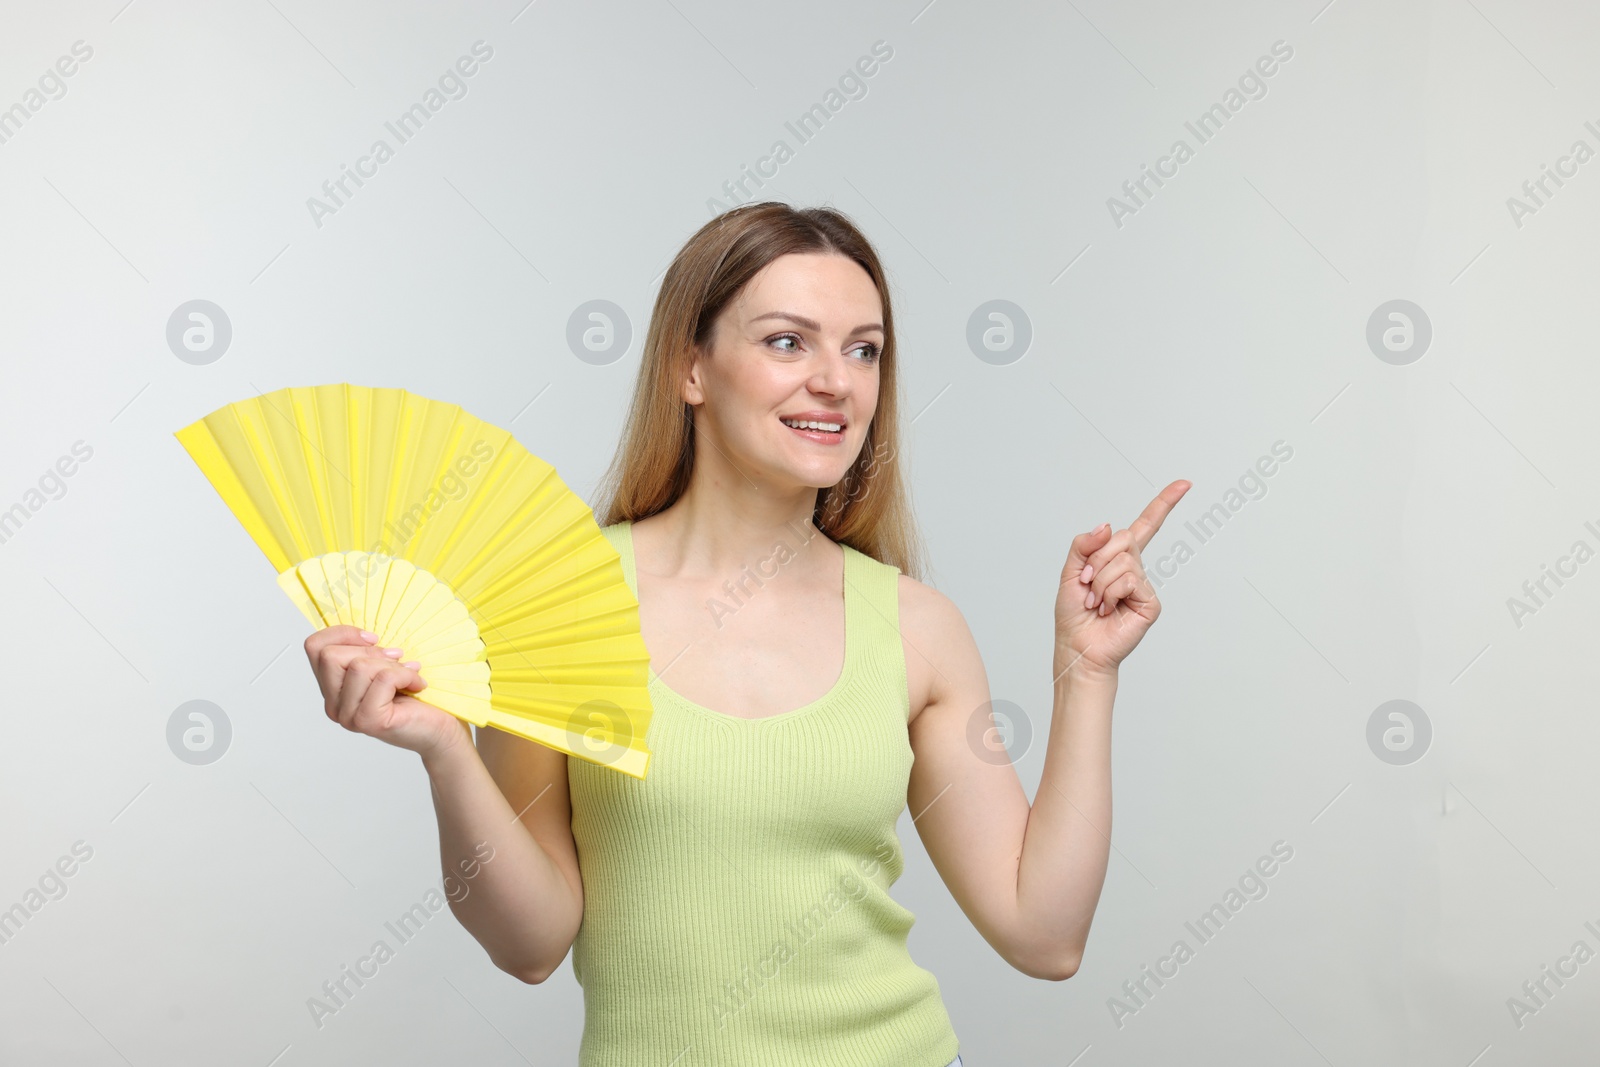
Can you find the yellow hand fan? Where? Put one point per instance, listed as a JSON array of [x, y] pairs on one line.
[[413, 520]]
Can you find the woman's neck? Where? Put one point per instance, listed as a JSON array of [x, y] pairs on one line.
[[698, 537]]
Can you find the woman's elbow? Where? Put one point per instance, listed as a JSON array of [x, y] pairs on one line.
[[1055, 967], [532, 977], [1065, 968], [527, 973]]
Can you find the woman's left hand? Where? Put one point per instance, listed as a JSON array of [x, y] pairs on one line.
[[1106, 603]]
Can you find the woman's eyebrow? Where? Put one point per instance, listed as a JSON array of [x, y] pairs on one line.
[[812, 324]]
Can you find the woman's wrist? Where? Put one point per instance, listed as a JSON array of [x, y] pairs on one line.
[[445, 757], [1071, 665]]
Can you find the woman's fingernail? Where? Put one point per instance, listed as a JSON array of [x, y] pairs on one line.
[[1088, 572], [369, 637], [392, 653], [413, 664], [1088, 601]]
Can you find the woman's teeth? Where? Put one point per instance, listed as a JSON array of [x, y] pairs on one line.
[[830, 427]]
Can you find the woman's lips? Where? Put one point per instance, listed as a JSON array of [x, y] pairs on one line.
[[821, 437]]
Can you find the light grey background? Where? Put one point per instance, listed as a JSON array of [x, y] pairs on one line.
[[1228, 313]]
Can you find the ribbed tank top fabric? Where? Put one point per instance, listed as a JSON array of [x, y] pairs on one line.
[[736, 904]]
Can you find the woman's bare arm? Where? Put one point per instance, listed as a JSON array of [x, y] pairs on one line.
[[524, 904], [1029, 876], [505, 835]]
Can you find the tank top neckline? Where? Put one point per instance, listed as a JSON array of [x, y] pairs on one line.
[[852, 630]]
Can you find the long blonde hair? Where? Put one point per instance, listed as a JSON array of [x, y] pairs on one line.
[[868, 508]]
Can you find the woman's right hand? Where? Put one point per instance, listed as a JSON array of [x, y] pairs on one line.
[[366, 689]]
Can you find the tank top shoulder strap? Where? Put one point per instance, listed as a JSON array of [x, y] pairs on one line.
[[874, 638], [617, 534]]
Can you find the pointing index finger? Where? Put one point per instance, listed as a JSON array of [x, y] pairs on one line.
[[1156, 512]]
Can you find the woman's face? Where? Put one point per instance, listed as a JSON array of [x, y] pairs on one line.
[[802, 341]]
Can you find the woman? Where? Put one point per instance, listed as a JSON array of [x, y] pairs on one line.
[[733, 906]]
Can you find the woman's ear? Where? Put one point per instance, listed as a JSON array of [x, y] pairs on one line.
[[692, 389]]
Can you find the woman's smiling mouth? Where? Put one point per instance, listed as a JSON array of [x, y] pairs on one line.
[[818, 426]]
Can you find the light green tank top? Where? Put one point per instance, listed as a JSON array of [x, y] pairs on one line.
[[736, 904]]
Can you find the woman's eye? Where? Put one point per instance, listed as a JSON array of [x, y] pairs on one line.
[[869, 352]]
